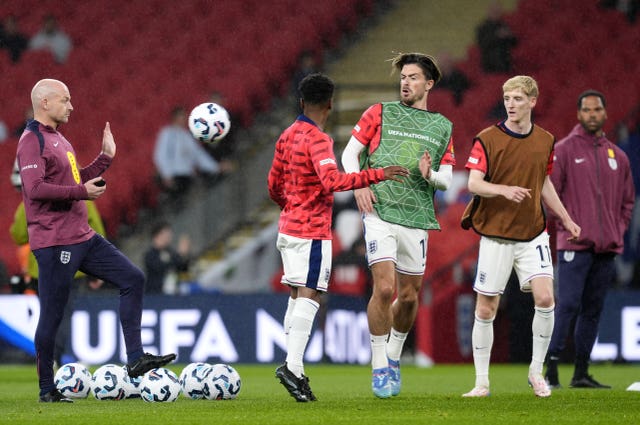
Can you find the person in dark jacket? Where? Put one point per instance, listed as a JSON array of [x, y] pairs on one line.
[[593, 178], [162, 262], [12, 39]]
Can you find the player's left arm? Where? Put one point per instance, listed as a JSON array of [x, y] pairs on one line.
[[332, 179], [102, 161], [442, 178], [108, 142], [552, 201]]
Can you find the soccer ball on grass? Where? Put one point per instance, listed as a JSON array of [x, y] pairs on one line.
[[73, 380], [192, 379], [222, 383], [160, 385], [109, 382]]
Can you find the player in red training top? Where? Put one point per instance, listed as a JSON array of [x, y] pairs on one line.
[[302, 180], [53, 189]]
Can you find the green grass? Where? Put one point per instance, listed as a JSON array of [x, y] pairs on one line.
[[344, 397]]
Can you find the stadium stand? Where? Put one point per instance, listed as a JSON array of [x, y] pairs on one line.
[[132, 61]]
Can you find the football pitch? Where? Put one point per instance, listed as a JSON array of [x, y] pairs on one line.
[[428, 396]]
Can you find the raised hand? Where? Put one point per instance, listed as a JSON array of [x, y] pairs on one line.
[[108, 143]]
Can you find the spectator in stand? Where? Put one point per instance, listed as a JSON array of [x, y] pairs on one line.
[[453, 79], [179, 157], [495, 39], [593, 179], [12, 39], [52, 38], [162, 262]]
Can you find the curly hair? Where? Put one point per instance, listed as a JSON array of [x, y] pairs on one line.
[[316, 89]]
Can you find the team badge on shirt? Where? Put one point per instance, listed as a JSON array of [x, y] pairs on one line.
[[65, 257], [612, 159], [373, 247]]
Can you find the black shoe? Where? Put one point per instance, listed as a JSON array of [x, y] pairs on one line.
[[552, 378], [148, 362], [54, 396], [298, 388], [587, 382], [307, 389]]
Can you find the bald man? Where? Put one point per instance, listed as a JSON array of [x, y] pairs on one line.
[[53, 186]]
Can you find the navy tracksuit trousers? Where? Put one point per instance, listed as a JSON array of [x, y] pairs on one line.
[[583, 280], [57, 266]]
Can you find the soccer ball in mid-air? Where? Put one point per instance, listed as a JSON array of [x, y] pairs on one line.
[[109, 382], [192, 379], [209, 122], [222, 383], [73, 380], [160, 385]]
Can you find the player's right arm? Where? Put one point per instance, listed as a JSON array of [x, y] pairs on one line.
[[477, 166], [479, 186]]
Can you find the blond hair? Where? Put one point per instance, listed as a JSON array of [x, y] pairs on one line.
[[523, 82]]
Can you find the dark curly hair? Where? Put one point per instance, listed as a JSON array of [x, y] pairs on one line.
[[316, 89]]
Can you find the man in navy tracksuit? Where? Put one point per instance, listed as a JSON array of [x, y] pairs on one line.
[[594, 181], [53, 186]]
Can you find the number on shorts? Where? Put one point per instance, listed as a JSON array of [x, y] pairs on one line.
[[544, 250]]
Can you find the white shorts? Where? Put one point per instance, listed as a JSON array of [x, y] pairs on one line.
[[498, 257], [306, 262], [405, 246]]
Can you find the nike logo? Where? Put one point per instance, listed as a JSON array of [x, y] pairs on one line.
[[544, 266], [480, 348], [579, 160], [55, 145]]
